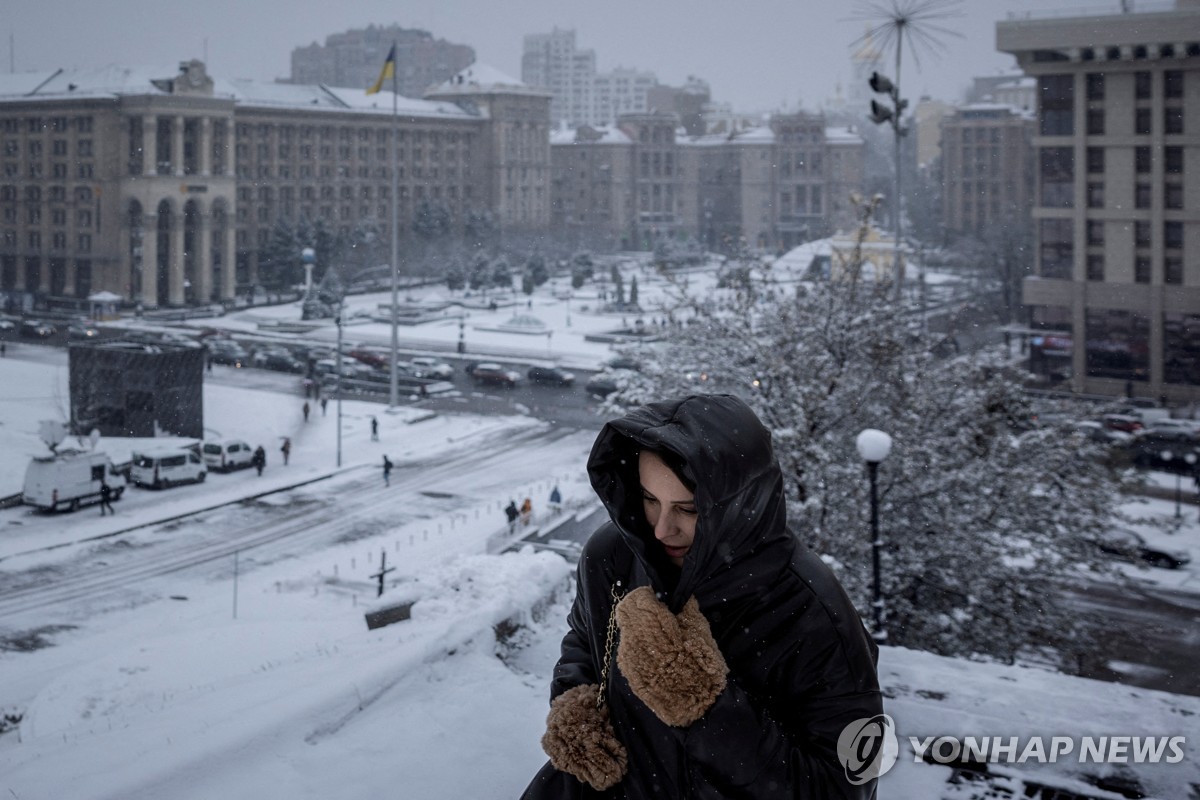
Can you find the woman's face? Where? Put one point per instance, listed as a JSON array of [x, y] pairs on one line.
[[670, 507]]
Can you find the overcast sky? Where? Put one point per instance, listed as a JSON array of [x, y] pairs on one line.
[[756, 54]]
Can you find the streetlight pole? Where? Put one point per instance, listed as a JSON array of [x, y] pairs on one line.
[[338, 320], [873, 446]]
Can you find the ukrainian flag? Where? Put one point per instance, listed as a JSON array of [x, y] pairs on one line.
[[388, 71]]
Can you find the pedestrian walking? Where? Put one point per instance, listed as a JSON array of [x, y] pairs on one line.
[[306, 410], [3, 349], [387, 471], [526, 511], [511, 512], [259, 459], [374, 430], [286, 449], [555, 499], [324, 402], [106, 498]]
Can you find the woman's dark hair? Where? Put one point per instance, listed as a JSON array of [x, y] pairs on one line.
[[675, 463]]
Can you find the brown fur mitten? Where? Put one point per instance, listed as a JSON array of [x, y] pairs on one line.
[[580, 740], [671, 661]]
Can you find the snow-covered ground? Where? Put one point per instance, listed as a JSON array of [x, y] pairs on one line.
[[158, 689]]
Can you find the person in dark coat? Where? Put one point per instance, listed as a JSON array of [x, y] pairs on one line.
[[387, 471], [374, 430], [738, 659], [510, 511], [106, 498], [259, 459], [286, 449]]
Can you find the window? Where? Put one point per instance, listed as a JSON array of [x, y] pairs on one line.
[[1141, 269], [58, 147], [1095, 122], [58, 216], [85, 243], [1173, 196], [1058, 175], [1141, 122], [1173, 270], [1141, 85], [1095, 233], [1173, 234], [1173, 120], [1141, 195], [1095, 267], [85, 148], [83, 218], [1141, 233], [1173, 84], [1173, 160], [1057, 248], [1095, 86], [1056, 100], [1095, 160], [1141, 160]]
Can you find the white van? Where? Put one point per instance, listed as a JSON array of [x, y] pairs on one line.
[[160, 468], [227, 455], [69, 479]]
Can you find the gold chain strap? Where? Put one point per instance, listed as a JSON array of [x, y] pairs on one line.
[[608, 643]]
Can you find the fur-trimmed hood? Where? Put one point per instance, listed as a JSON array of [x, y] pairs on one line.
[[741, 513]]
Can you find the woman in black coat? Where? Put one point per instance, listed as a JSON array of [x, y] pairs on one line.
[[709, 653]]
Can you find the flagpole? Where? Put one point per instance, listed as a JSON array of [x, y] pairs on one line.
[[395, 238]]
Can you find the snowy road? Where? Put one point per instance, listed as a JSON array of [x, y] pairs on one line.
[[116, 571]]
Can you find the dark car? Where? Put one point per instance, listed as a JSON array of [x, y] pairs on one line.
[[1165, 450], [226, 351], [601, 385], [624, 362], [36, 329], [489, 374], [1131, 545], [278, 360], [81, 330], [554, 376]]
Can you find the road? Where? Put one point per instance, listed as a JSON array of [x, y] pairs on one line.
[[119, 571]]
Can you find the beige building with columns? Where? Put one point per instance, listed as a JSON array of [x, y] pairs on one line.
[[163, 187]]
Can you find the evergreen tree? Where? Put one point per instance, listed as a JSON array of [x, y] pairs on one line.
[[527, 285], [501, 275], [633, 291], [618, 284]]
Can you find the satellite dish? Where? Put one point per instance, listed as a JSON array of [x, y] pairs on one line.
[[52, 432]]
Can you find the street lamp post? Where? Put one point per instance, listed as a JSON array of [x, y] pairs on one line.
[[338, 320], [873, 446], [1190, 458]]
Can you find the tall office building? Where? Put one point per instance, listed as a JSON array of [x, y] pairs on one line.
[[353, 59], [551, 61], [1117, 206]]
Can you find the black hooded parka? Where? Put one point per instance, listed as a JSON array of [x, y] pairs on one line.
[[801, 665]]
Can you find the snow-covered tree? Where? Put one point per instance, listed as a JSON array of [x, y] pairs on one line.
[[983, 514]]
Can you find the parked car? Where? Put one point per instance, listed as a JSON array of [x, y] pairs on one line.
[[1097, 432], [428, 367], [7, 325], [1131, 545], [489, 374], [624, 362], [601, 385], [36, 329], [69, 479], [555, 376], [160, 468], [278, 360], [1165, 450], [227, 351], [81, 330], [1121, 422], [227, 455], [370, 358]]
